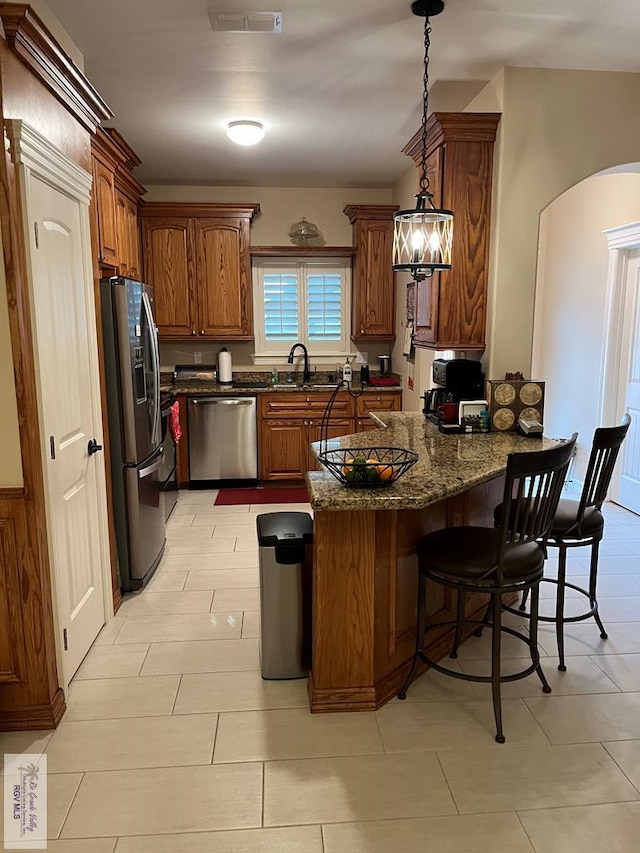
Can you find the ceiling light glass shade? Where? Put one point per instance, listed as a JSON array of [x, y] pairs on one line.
[[245, 132], [422, 238]]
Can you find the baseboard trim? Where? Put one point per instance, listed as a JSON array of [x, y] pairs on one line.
[[33, 717]]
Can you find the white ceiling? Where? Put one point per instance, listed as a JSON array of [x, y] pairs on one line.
[[337, 89]]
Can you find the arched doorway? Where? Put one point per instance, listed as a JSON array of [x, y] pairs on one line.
[[571, 329]]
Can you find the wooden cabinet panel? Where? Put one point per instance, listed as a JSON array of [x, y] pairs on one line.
[[365, 425], [293, 405], [387, 402], [11, 627], [205, 290], [122, 234], [169, 268], [451, 306], [223, 278], [133, 239], [335, 428], [284, 450], [288, 423], [373, 295], [106, 204]]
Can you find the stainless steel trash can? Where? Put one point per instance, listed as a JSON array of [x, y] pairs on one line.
[[285, 540]]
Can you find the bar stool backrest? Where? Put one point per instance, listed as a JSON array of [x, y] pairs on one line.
[[532, 489], [604, 453]]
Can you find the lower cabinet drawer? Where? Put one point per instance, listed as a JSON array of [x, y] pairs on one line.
[[292, 405], [371, 402]]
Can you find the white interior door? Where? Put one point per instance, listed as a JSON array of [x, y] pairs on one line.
[[626, 483], [65, 334]]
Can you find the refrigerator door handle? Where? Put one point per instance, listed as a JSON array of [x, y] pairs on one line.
[[149, 469], [155, 354]]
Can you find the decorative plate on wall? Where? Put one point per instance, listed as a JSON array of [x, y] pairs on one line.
[[510, 399]]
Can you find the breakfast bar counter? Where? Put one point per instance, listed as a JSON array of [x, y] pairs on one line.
[[365, 570]]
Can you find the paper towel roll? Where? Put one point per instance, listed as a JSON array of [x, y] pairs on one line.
[[225, 372]]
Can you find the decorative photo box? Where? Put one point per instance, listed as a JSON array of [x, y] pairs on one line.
[[510, 399]]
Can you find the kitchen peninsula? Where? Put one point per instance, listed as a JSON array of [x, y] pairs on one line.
[[365, 566]]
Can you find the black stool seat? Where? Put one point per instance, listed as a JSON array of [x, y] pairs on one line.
[[578, 524], [565, 522], [495, 562], [470, 553]]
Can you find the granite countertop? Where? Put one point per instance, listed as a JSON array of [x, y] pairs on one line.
[[447, 464], [206, 388]]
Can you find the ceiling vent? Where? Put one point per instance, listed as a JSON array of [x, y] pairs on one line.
[[245, 22]]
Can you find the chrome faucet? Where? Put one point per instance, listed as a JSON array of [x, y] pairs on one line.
[[306, 373]]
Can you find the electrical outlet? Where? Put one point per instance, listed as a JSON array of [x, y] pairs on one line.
[[362, 357], [197, 357]]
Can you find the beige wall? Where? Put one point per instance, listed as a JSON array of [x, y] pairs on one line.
[[281, 207], [557, 128], [569, 323], [10, 459]]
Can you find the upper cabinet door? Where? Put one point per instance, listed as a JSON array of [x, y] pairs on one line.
[[133, 234], [223, 279], [124, 253], [106, 204], [373, 295], [169, 268]]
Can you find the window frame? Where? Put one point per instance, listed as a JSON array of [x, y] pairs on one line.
[[275, 352]]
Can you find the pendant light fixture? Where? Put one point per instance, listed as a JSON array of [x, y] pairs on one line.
[[423, 236]]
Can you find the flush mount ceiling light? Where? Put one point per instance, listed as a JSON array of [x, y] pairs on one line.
[[423, 236], [245, 131]]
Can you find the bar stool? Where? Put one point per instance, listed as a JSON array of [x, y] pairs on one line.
[[578, 524], [496, 561]]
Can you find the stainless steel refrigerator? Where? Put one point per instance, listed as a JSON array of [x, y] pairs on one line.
[[132, 370]]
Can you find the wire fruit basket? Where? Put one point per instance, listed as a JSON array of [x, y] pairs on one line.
[[363, 467]]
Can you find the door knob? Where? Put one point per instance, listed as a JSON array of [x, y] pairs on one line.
[[93, 447]]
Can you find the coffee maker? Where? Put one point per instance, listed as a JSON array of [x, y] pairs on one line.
[[456, 379]]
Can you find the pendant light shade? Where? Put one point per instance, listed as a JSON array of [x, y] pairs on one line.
[[423, 236]]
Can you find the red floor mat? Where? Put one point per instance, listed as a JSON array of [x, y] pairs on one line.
[[231, 497]]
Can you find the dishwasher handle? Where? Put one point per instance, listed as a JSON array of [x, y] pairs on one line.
[[216, 401]]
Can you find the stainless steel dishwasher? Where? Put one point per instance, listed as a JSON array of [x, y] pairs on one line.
[[223, 442]]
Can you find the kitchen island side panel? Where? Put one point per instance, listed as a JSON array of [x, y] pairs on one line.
[[365, 579]]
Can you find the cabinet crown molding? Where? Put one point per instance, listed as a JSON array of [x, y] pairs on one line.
[[199, 209], [453, 127], [369, 211], [29, 38]]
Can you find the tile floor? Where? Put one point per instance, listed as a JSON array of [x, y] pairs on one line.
[[172, 743]]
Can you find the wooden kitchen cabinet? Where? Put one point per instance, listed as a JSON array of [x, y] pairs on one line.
[[334, 429], [390, 401], [105, 196], [451, 306], [284, 451], [373, 295], [223, 278], [198, 259], [290, 421], [168, 254], [116, 197], [128, 241]]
